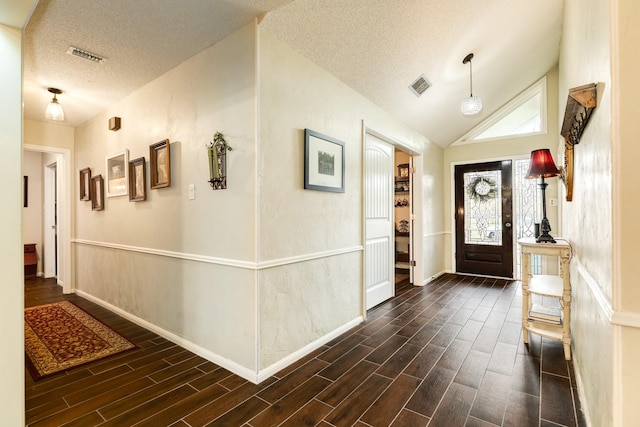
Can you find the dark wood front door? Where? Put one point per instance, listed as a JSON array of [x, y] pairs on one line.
[[484, 237]]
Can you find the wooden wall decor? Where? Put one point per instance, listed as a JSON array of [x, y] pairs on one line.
[[580, 103]]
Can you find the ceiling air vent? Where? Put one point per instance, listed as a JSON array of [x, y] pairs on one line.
[[420, 85], [85, 55]]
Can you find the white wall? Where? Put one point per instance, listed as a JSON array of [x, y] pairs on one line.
[[508, 148], [626, 203], [185, 267], [253, 276], [11, 249], [32, 215], [312, 241], [585, 58]]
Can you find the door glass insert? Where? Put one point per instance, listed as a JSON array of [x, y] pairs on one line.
[[483, 208], [527, 210]]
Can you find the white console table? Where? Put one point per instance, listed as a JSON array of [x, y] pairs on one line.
[[554, 286]]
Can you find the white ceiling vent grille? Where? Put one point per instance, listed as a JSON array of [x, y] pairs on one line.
[[85, 55], [420, 85]]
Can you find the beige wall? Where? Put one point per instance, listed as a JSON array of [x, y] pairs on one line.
[[11, 250], [585, 58], [185, 268], [311, 240], [253, 276], [626, 204], [510, 148]]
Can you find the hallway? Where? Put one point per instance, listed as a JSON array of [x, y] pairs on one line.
[[446, 354]]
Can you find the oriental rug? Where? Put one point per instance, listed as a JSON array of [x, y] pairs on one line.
[[61, 336]]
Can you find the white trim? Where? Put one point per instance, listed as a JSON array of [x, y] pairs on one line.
[[254, 376], [625, 318], [615, 317], [232, 366], [539, 86], [580, 387], [434, 277], [263, 374], [436, 234], [307, 257], [223, 261], [596, 291]]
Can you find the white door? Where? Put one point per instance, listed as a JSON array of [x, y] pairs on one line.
[[379, 227]]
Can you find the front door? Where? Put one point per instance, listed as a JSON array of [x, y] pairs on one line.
[[379, 230], [484, 239]]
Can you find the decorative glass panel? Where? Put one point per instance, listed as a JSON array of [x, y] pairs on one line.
[[527, 212], [483, 208]]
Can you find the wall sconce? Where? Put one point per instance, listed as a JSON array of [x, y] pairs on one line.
[[54, 110], [542, 166], [217, 151]]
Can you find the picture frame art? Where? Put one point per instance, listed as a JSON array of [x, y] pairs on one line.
[[85, 184], [160, 164], [137, 180], [97, 193], [117, 174], [324, 166]]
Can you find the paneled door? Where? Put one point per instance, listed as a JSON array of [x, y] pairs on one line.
[[484, 236], [379, 229]]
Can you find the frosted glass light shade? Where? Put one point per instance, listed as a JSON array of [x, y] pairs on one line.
[[471, 106], [54, 111]]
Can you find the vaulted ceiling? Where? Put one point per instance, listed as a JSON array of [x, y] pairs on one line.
[[378, 47]]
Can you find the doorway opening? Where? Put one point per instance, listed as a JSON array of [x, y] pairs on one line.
[[50, 243], [55, 231], [402, 218]]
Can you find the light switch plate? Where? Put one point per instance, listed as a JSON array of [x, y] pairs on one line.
[[192, 191]]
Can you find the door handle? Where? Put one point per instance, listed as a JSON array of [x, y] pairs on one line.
[[507, 224]]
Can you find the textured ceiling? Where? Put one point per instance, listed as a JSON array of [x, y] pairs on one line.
[[378, 47]]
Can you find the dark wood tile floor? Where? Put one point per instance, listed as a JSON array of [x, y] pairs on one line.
[[446, 354]]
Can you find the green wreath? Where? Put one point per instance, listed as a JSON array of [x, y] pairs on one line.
[[481, 189]]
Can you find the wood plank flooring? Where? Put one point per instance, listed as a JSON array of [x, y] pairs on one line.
[[446, 354]]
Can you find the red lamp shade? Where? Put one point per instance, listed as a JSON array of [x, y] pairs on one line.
[[542, 165]]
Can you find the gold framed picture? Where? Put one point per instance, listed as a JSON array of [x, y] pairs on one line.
[[85, 184], [160, 159], [137, 180], [97, 193]]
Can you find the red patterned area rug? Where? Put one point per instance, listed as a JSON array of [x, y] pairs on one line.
[[61, 336]]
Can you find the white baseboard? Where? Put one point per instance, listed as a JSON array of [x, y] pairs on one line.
[[434, 277], [237, 369], [294, 357], [242, 371]]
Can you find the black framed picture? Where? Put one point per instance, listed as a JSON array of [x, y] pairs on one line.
[[324, 165]]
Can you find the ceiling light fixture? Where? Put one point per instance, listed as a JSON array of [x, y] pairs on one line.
[[54, 110], [471, 105]]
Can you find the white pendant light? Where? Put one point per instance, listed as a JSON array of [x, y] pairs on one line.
[[471, 105], [54, 109]]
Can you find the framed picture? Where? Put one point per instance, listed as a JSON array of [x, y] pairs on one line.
[[160, 159], [117, 173], [323, 162], [97, 193], [85, 184], [403, 170], [137, 180]]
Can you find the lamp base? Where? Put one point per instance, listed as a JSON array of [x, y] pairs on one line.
[[545, 228], [545, 238]]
